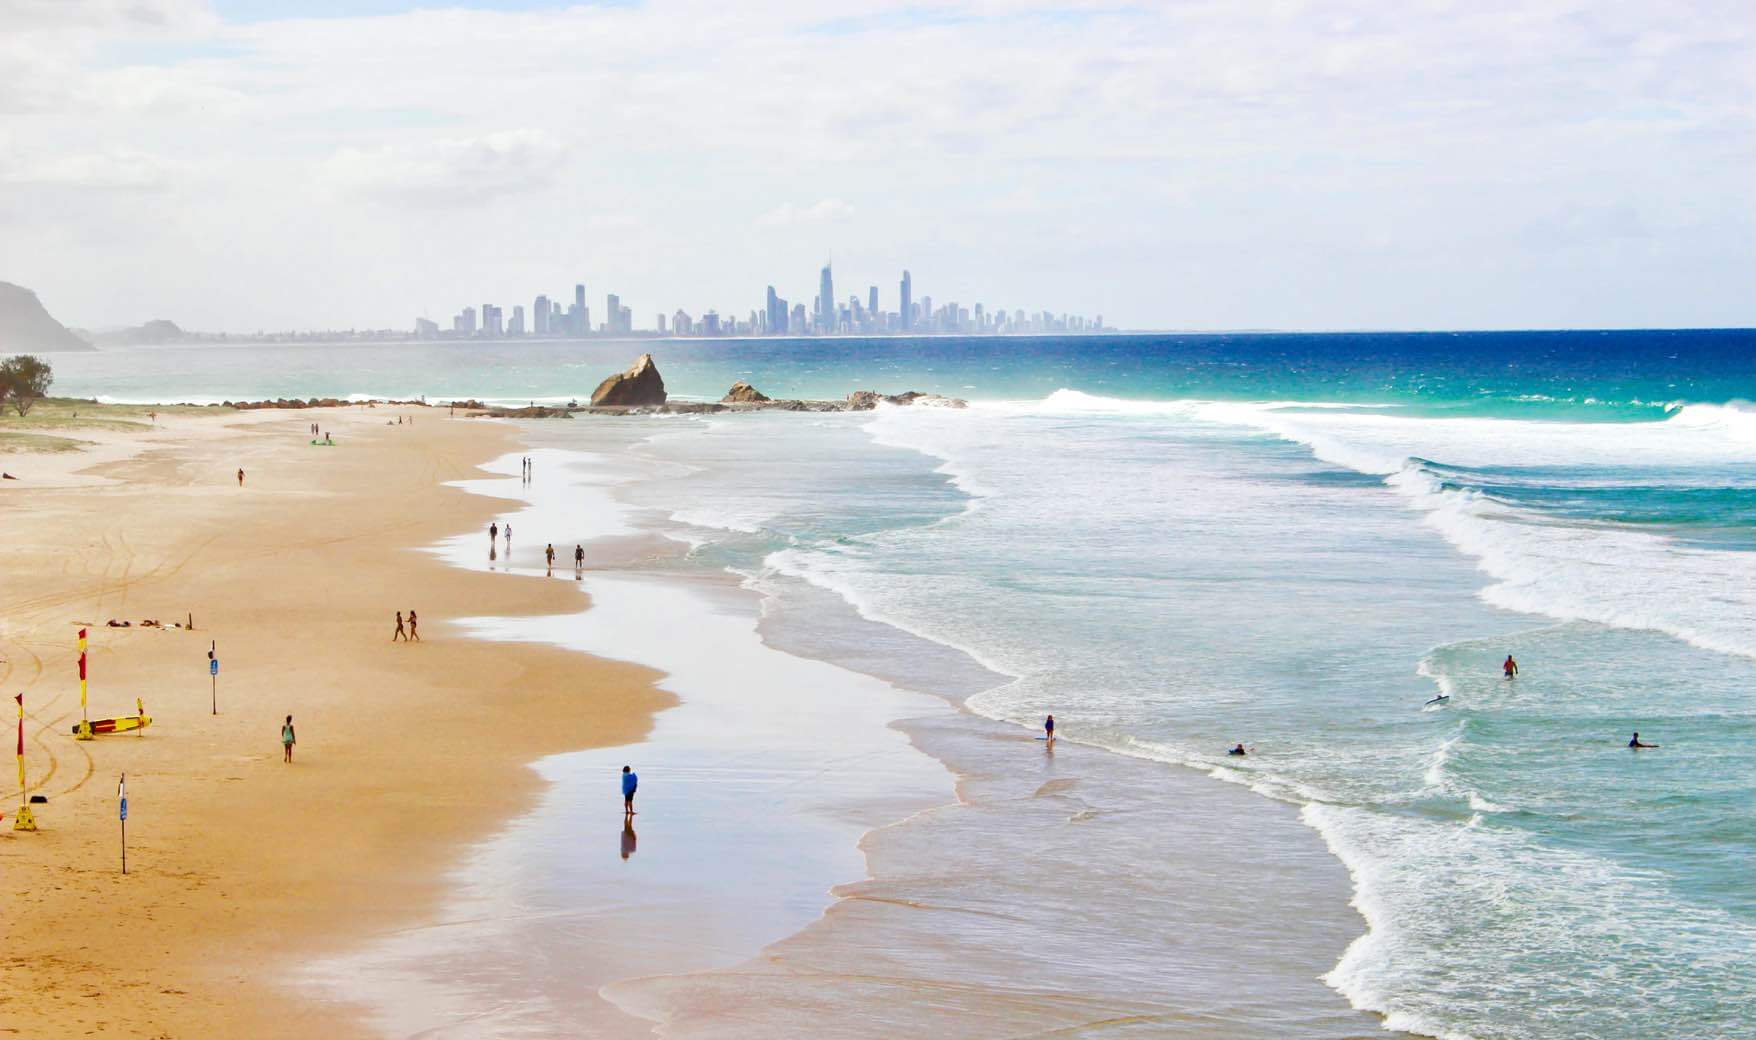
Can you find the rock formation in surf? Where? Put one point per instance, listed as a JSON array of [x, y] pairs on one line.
[[640, 386], [743, 393]]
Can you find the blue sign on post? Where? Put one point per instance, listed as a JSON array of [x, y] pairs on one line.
[[213, 666]]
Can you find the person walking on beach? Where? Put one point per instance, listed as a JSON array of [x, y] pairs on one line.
[[508, 531], [549, 554], [240, 476], [414, 627], [287, 739], [400, 634], [493, 533], [630, 783], [578, 557], [1510, 667], [1049, 730]]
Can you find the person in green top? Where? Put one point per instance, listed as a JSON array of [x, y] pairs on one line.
[[288, 739]]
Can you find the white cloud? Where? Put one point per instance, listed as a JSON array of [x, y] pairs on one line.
[[823, 211], [445, 172]]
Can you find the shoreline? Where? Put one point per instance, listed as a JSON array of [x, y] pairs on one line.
[[682, 1000], [686, 999]]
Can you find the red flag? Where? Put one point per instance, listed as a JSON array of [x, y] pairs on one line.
[[20, 700], [82, 664]]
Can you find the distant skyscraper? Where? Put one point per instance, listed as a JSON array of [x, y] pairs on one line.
[[796, 322], [516, 327], [468, 323], [825, 301], [906, 300], [660, 324], [777, 314], [612, 314], [584, 326], [872, 300], [539, 314], [425, 329]]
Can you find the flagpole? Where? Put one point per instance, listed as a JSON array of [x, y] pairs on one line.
[[26, 821], [84, 730], [122, 794]]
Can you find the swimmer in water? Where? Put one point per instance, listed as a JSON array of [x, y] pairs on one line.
[[1510, 667], [1239, 750], [1635, 744]]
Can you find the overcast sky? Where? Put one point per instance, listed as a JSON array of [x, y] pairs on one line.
[[245, 164]]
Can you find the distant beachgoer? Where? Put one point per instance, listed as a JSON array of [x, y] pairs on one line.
[[327, 439], [494, 531], [400, 634], [508, 530], [240, 476], [414, 627], [630, 782], [288, 739], [1239, 750], [628, 837], [1510, 667], [578, 557], [1636, 745], [1049, 729]]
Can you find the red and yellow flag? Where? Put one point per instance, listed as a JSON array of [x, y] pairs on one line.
[[82, 673], [20, 700]]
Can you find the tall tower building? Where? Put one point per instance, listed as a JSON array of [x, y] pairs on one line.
[[613, 313], [872, 300], [539, 315], [908, 295], [825, 301]]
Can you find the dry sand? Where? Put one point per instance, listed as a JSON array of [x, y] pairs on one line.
[[241, 866]]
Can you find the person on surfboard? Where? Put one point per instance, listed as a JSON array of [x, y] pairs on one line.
[[1510, 667], [1636, 745], [1239, 750]]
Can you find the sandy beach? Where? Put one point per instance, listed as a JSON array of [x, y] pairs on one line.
[[242, 867]]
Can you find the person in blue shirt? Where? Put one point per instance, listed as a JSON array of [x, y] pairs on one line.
[[630, 781]]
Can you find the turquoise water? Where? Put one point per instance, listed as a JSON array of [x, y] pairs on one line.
[[1179, 543]]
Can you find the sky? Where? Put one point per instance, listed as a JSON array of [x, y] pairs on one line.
[[236, 165]]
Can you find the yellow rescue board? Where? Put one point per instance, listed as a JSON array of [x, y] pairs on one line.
[[121, 725]]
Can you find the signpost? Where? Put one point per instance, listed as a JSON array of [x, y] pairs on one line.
[[213, 676], [122, 811]]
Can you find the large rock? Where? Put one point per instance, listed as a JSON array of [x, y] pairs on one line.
[[640, 385], [743, 393]]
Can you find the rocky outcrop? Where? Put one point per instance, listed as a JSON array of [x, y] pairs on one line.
[[866, 400], [640, 386], [26, 328], [743, 393]]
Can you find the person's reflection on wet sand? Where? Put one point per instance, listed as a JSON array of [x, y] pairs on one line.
[[628, 838]]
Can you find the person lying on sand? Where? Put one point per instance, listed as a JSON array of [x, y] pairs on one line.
[[113, 623]]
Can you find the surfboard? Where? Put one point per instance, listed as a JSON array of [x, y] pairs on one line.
[[1439, 699], [121, 725]]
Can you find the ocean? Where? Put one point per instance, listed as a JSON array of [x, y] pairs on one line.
[[1180, 543]]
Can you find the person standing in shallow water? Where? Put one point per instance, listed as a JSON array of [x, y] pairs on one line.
[[1510, 667], [1049, 730], [287, 739], [493, 532], [630, 783]]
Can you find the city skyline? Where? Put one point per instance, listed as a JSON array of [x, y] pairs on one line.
[[856, 315]]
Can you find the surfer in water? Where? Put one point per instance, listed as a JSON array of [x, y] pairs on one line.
[[1510, 667], [1636, 745], [1239, 750], [1049, 730]]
